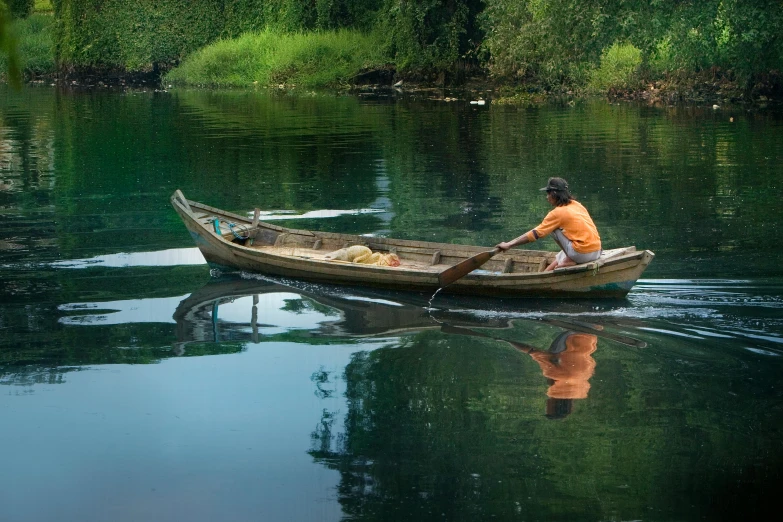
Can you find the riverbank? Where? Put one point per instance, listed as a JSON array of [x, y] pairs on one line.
[[319, 65], [504, 52], [707, 89]]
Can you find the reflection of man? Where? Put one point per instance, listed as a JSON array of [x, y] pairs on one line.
[[568, 366]]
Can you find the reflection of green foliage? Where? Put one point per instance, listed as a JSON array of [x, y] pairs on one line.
[[456, 426], [116, 345], [458, 175], [202, 349], [410, 434], [321, 380], [34, 341], [138, 343], [300, 170], [306, 337]]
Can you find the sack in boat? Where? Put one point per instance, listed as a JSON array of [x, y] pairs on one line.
[[381, 260], [362, 254]]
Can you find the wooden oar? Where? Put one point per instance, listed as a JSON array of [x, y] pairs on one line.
[[463, 268]]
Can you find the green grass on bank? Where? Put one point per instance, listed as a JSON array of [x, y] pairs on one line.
[[34, 38], [319, 59]]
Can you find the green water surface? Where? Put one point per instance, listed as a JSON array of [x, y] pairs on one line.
[[137, 385]]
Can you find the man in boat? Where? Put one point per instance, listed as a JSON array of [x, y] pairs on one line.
[[571, 227]]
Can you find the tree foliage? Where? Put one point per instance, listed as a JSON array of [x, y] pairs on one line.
[[145, 34], [430, 33], [136, 36], [20, 8], [557, 39], [296, 15], [555, 42]]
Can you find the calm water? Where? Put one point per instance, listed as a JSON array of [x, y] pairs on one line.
[[135, 385]]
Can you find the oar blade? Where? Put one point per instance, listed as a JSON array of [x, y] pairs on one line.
[[465, 267]]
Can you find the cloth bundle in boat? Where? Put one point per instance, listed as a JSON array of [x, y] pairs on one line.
[[362, 254]]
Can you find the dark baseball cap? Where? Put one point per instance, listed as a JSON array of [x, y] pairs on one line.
[[558, 184]]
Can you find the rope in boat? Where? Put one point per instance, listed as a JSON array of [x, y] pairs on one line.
[[216, 224]]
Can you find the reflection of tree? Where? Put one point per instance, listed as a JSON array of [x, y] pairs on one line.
[[457, 175], [321, 380], [453, 428], [413, 446], [36, 347]]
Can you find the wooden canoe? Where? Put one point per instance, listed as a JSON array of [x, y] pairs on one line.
[[301, 254]]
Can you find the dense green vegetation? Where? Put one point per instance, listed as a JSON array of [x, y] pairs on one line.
[[8, 46], [561, 41], [20, 8], [602, 45], [26, 44], [132, 36], [34, 45]]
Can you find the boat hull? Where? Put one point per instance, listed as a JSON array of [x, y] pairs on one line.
[[612, 278]]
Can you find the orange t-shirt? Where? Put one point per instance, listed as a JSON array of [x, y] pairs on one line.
[[571, 369], [577, 226]]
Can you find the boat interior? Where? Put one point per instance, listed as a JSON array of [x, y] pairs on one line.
[[413, 255]]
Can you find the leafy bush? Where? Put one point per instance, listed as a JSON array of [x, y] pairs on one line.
[[661, 61], [549, 41], [619, 68], [324, 58]]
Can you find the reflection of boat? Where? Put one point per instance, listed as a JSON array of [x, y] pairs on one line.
[[249, 309], [239, 242]]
